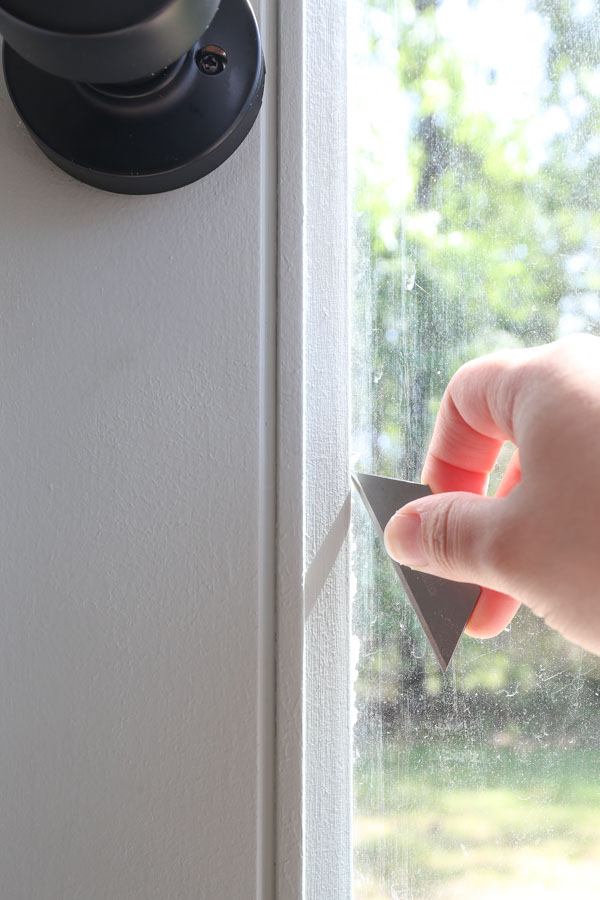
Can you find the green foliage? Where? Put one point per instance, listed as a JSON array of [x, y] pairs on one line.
[[434, 821], [473, 232]]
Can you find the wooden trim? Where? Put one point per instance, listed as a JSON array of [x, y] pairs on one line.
[[314, 810], [327, 739], [289, 816]]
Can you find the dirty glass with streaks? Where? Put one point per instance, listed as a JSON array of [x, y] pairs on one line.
[[475, 149]]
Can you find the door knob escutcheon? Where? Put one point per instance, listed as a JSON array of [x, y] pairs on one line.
[[119, 93]]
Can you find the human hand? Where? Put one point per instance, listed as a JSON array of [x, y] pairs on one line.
[[538, 541]]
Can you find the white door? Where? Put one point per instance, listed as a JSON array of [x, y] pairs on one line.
[[136, 612]]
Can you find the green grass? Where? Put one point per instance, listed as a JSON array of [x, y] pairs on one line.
[[434, 823]]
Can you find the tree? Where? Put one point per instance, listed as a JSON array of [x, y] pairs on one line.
[[478, 234]]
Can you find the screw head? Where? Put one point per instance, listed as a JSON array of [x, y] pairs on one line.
[[211, 60]]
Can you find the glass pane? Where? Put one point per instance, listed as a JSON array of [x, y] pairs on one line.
[[475, 135]]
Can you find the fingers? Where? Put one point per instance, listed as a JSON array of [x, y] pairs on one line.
[[511, 477], [474, 420], [493, 612], [458, 536], [537, 539]]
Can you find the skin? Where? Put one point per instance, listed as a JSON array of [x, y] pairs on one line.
[[538, 540]]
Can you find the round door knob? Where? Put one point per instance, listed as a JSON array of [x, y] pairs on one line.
[[106, 40], [134, 96]]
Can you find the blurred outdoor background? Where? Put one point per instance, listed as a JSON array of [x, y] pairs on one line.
[[475, 142]]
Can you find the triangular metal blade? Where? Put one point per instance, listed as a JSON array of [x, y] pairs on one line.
[[443, 607]]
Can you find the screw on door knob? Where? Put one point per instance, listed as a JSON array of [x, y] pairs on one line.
[[115, 91], [211, 60]]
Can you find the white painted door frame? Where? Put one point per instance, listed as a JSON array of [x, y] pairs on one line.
[[313, 619]]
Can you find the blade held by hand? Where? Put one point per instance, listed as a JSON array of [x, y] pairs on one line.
[[443, 607]]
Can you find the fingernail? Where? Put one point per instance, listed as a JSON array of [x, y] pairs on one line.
[[402, 539]]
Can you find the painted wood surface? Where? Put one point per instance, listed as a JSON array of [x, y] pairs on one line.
[[313, 618], [327, 493], [137, 476]]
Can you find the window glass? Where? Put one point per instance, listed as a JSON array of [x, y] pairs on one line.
[[475, 140]]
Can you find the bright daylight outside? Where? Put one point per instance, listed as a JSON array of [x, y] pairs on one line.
[[475, 140]]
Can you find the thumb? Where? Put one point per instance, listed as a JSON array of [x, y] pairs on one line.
[[458, 536]]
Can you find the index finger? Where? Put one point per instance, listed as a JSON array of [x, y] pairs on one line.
[[473, 422]]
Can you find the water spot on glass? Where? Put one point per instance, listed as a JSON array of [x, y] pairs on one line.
[[521, 251], [508, 693], [577, 263]]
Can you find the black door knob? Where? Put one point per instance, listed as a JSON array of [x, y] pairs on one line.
[[134, 96]]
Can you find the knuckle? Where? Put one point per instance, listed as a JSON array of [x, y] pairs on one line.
[[455, 539], [440, 535]]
